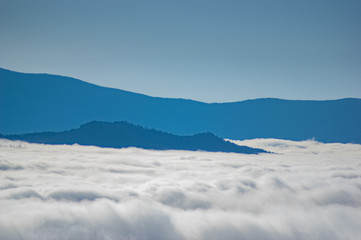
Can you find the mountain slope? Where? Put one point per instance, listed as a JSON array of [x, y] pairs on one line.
[[42, 102], [123, 134]]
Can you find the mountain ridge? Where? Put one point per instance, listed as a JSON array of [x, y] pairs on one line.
[[44, 102], [180, 98]]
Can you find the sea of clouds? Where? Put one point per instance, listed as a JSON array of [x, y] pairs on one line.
[[306, 190]]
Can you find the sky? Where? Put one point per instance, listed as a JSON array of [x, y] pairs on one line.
[[308, 190], [212, 51]]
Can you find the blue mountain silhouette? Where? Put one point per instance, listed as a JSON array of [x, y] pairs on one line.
[[123, 134], [43, 102]]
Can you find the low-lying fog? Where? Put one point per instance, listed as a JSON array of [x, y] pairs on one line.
[[308, 190]]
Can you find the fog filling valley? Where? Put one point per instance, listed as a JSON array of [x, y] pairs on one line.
[[305, 190]]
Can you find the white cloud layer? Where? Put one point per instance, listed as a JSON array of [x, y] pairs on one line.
[[308, 190]]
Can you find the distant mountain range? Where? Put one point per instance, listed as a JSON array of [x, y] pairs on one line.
[[43, 102], [123, 134]]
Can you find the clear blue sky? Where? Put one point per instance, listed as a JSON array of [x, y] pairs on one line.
[[212, 51]]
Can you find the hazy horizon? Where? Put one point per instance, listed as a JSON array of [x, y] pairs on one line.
[[241, 100], [209, 51]]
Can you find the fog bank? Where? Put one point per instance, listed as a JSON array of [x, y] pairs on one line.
[[308, 190]]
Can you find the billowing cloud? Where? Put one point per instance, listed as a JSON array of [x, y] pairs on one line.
[[306, 190]]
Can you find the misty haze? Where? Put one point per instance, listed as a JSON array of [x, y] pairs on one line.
[[180, 120]]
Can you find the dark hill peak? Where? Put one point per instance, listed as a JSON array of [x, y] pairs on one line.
[[123, 134]]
